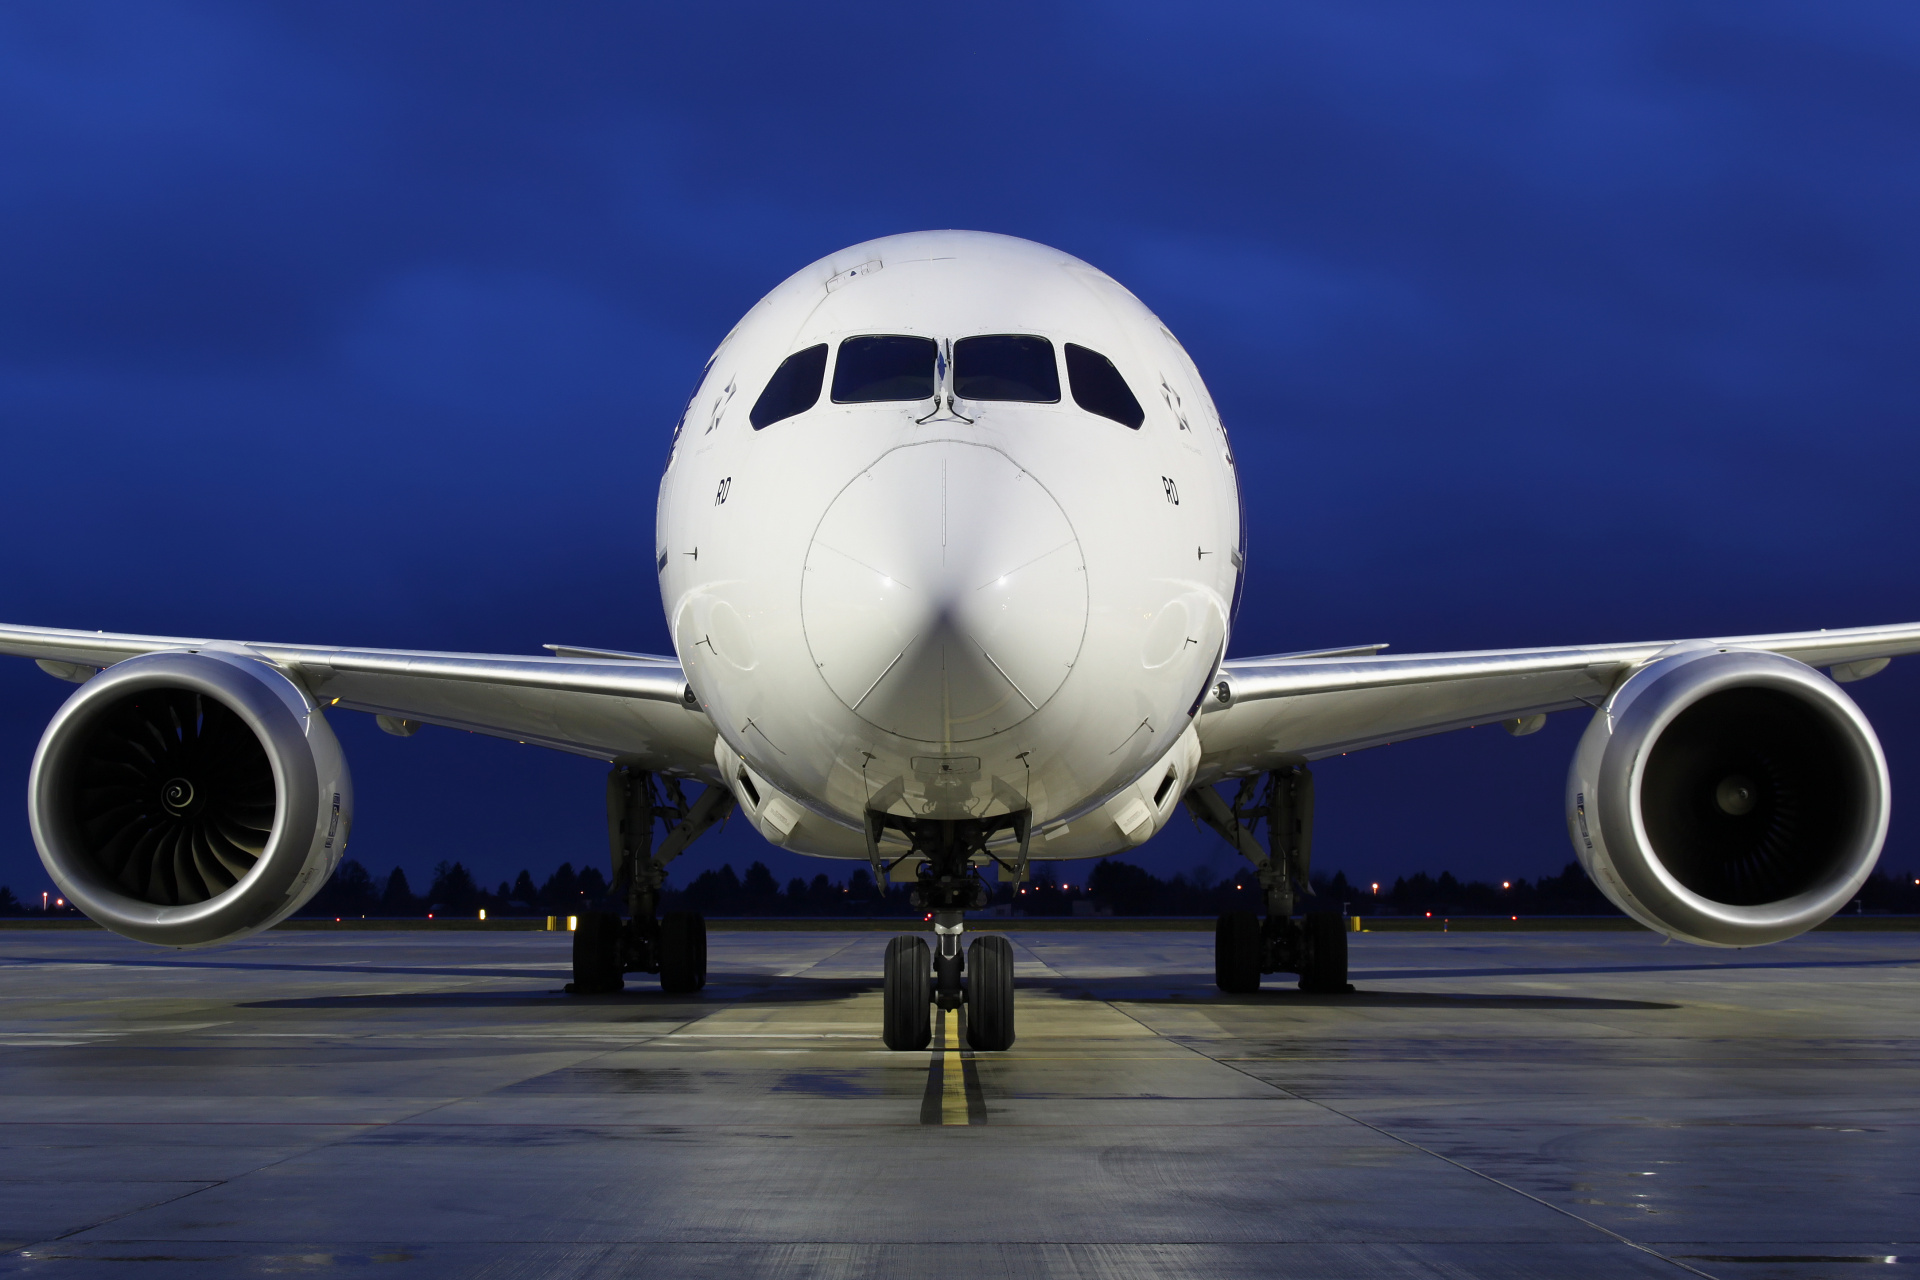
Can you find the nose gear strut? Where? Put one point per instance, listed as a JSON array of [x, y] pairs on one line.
[[948, 885], [1315, 947]]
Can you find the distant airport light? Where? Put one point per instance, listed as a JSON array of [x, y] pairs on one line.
[[1506, 884], [1429, 915], [483, 913], [573, 923]]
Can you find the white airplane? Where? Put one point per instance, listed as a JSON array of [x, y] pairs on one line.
[[950, 541]]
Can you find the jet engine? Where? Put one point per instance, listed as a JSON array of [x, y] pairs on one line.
[[189, 798], [1728, 797]]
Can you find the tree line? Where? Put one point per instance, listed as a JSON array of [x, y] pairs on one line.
[[1109, 887]]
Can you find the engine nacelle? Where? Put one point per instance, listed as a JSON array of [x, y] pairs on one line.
[[1728, 797], [189, 799]]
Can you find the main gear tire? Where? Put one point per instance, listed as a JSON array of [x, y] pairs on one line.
[[596, 955], [990, 993], [1237, 951], [1323, 943], [906, 995], [683, 952]]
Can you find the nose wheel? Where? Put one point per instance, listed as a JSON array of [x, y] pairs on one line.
[[906, 999], [990, 993], [909, 991]]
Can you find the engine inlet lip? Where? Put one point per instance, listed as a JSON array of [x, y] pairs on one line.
[[1641, 711], [252, 691]]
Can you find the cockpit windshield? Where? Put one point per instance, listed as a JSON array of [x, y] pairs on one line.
[[884, 367], [1006, 366]]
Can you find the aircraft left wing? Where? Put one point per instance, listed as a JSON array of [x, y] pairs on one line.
[[635, 708], [1264, 713]]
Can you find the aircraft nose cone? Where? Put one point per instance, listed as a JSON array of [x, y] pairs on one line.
[[945, 596]]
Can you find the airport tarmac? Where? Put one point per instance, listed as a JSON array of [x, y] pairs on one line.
[[1554, 1104]]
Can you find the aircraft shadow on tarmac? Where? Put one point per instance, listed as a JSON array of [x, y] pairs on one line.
[[732, 987]]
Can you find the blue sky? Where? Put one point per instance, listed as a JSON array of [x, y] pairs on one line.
[[368, 323]]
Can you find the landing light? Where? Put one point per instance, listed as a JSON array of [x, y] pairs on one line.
[[1506, 884]]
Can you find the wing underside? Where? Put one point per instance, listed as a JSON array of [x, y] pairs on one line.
[[1267, 712], [633, 708]]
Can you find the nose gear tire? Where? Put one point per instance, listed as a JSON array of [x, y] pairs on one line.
[[1237, 952], [683, 952], [990, 993], [907, 994]]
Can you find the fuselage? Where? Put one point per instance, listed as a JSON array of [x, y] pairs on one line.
[[951, 528]]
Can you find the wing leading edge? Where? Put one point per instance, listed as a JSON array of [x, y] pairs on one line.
[[1263, 713], [635, 709]]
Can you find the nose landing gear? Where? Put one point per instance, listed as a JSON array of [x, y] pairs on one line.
[[1244, 945], [916, 977]]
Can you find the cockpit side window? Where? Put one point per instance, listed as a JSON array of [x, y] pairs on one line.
[[1099, 388], [883, 367], [1006, 366], [793, 388]]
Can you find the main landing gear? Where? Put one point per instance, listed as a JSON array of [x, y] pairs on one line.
[[919, 978], [605, 946], [1244, 945]]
